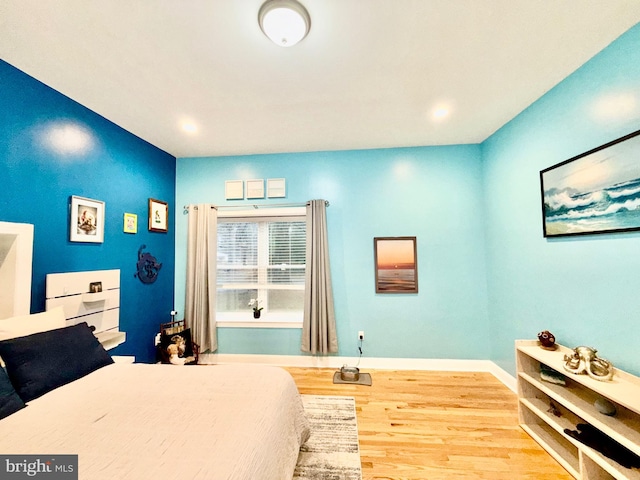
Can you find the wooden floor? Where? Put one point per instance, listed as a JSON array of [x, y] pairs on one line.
[[437, 425]]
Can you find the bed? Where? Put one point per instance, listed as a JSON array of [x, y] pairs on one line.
[[138, 421]]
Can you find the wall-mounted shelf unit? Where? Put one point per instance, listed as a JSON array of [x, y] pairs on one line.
[[575, 404], [100, 310]]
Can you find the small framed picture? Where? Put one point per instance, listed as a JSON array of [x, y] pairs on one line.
[[130, 223], [95, 287], [396, 262], [86, 220], [234, 190], [255, 188], [158, 215], [276, 187]]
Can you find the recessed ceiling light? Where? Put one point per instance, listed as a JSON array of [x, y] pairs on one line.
[[189, 127], [285, 22], [440, 112]]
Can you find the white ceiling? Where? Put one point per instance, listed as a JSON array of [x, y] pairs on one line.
[[368, 75]]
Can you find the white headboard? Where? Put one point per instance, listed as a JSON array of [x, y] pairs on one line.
[[84, 301], [16, 252]]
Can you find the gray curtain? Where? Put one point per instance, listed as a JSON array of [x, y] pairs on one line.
[[200, 301], [319, 323]]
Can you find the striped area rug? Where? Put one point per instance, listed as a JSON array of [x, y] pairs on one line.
[[332, 450]]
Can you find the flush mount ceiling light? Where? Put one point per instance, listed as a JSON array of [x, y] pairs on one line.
[[285, 22]]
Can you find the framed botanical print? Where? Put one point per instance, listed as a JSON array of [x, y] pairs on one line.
[[158, 215]]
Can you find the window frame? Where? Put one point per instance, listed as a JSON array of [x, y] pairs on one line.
[[242, 319]]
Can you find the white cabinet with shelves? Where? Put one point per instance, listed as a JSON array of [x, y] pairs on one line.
[[547, 409]]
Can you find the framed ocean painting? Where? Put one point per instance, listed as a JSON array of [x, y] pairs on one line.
[[595, 192], [396, 264]]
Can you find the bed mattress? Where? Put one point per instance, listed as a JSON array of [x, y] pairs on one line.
[[139, 421]]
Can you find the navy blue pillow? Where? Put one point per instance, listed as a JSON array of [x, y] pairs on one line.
[[39, 363], [10, 402]]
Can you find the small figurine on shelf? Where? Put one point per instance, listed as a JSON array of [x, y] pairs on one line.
[[554, 409], [585, 360], [605, 407], [547, 340]]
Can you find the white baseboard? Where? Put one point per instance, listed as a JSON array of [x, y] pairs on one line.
[[505, 377], [436, 364]]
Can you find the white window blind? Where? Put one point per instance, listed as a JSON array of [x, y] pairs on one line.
[[261, 258]]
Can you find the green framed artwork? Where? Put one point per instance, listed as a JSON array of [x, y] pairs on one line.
[[130, 223]]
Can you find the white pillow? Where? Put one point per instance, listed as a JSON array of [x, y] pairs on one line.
[[24, 325]]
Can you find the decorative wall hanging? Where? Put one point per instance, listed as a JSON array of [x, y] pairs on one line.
[[147, 267], [595, 192], [396, 264], [130, 223], [276, 188], [86, 220], [158, 215], [255, 188], [234, 190]]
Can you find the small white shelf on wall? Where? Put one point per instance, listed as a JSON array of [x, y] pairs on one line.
[[575, 404], [100, 310], [111, 339], [95, 297]]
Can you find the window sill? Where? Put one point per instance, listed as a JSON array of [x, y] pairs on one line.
[[267, 320], [263, 324]]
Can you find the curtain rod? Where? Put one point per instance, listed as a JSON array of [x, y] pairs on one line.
[[255, 206]]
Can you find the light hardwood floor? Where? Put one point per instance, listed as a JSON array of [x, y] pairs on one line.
[[419, 425]]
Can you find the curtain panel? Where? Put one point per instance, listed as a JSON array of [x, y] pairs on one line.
[[200, 298], [319, 323]]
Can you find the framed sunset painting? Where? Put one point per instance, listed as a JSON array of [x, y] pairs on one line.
[[396, 264], [595, 192]]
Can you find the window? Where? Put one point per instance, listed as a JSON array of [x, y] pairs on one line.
[[261, 257]]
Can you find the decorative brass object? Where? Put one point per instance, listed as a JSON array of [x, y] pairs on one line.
[[586, 360]]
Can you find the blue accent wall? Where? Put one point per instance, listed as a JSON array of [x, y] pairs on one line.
[[585, 290], [51, 148], [431, 193]]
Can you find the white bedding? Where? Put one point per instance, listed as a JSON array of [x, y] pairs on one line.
[[139, 421]]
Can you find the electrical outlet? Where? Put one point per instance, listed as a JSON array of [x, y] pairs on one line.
[[361, 335]]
